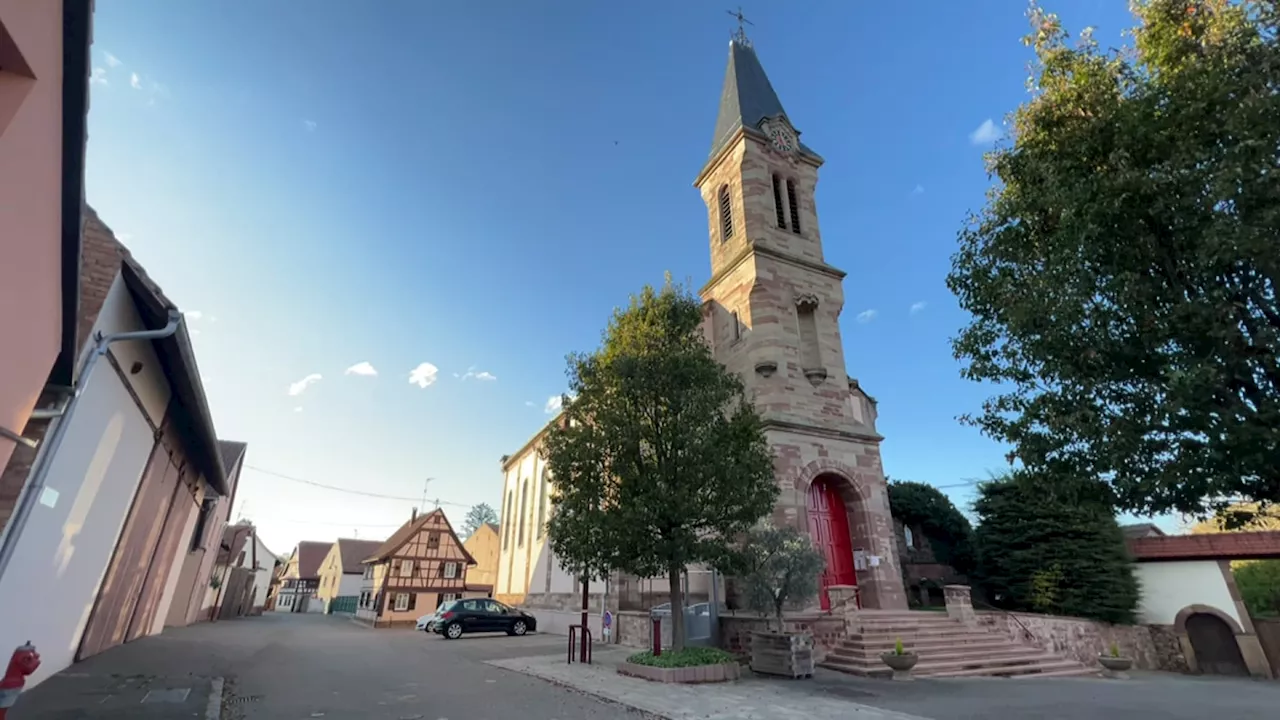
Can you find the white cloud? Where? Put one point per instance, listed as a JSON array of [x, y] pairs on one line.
[[867, 316], [554, 403], [918, 190], [986, 133], [309, 124], [423, 375], [112, 60], [917, 306], [361, 368], [300, 386], [471, 373], [298, 409], [213, 318], [193, 314], [99, 76], [134, 81], [528, 403]]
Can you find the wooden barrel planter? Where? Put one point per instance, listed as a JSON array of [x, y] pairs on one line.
[[786, 654]]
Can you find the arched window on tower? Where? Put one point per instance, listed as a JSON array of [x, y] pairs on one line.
[[543, 500], [726, 214], [777, 202], [795, 207]]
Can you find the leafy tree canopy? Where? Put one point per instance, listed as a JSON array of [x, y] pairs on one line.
[[1122, 276], [947, 529], [782, 566], [1052, 545], [661, 459], [478, 515], [1257, 580]]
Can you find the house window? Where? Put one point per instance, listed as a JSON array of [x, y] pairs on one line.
[[450, 570], [726, 214], [433, 541], [395, 565], [443, 598], [402, 601], [406, 568], [202, 523], [777, 202], [524, 497], [368, 572], [795, 207]]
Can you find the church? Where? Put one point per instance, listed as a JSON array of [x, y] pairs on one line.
[[771, 314]]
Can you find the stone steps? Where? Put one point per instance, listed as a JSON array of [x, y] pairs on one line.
[[946, 649]]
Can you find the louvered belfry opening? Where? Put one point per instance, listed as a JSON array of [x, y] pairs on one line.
[[726, 214], [777, 202], [795, 207]]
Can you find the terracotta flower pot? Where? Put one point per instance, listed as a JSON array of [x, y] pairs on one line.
[[900, 664]]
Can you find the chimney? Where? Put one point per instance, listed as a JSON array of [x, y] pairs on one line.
[[414, 516]]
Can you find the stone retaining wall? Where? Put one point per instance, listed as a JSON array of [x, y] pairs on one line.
[[1152, 647]]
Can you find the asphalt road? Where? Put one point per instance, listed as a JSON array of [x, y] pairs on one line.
[[291, 667]]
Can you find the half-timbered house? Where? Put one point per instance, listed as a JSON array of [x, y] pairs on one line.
[[419, 567]]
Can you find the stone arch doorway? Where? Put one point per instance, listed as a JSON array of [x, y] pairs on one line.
[[1214, 644], [829, 530]]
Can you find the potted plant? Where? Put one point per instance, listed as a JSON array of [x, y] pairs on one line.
[[900, 661], [781, 566], [1114, 664]]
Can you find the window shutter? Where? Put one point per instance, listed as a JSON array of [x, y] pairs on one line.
[[440, 570], [413, 600]]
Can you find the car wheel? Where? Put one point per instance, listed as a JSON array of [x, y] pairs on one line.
[[519, 628], [453, 631]]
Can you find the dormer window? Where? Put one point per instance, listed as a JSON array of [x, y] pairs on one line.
[[726, 214]]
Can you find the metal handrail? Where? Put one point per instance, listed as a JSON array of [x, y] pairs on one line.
[[1030, 636], [586, 643]]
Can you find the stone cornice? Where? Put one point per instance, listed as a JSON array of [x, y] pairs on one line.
[[756, 248], [817, 431]]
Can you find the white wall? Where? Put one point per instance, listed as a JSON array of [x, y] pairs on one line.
[[51, 583], [1168, 587], [521, 552], [350, 584], [262, 576]]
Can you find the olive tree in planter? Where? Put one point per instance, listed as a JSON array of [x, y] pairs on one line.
[[782, 566]]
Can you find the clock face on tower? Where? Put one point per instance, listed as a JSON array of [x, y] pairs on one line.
[[780, 137]]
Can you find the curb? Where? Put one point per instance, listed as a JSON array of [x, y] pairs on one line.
[[213, 710]]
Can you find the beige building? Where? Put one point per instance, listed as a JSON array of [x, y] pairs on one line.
[[772, 312], [342, 569], [483, 546]]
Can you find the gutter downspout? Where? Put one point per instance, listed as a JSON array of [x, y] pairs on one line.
[[53, 440]]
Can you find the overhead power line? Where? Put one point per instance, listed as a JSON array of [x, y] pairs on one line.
[[349, 491]]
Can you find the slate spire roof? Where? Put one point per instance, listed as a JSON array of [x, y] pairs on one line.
[[748, 96]]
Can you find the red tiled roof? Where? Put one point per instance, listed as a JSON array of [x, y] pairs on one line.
[[310, 555], [1260, 545], [411, 528], [353, 553]]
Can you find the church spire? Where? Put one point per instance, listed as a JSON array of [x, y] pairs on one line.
[[747, 97]]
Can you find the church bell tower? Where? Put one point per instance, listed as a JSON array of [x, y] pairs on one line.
[[771, 314]]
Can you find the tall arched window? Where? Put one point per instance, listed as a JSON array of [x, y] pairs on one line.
[[542, 503], [777, 202], [726, 214], [524, 498], [506, 522], [795, 207]]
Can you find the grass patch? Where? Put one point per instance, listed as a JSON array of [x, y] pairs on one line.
[[688, 657]]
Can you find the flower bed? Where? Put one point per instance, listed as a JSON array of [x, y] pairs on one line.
[[691, 665]]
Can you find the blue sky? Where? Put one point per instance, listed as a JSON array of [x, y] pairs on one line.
[[476, 185]]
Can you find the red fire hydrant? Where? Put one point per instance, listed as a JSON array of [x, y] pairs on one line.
[[24, 661]]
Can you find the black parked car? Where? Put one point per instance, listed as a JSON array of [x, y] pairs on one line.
[[480, 615]]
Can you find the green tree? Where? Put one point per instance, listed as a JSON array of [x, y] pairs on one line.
[[478, 515], [782, 566], [661, 459], [1052, 545], [1123, 275], [948, 531]]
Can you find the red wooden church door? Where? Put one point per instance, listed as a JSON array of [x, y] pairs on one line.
[[829, 528]]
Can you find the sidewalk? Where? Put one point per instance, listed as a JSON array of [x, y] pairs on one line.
[[78, 695], [752, 698]]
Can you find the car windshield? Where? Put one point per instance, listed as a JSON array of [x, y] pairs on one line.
[[450, 605]]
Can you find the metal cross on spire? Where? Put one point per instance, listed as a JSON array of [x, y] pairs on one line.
[[741, 35]]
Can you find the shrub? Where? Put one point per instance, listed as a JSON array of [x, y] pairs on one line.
[[688, 657]]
